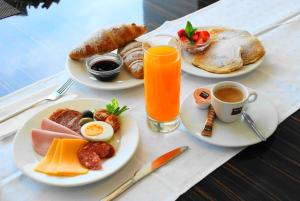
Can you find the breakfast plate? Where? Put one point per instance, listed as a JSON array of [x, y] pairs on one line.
[[79, 73], [236, 134], [26, 158], [186, 66]]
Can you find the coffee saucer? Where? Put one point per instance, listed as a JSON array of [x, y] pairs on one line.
[[236, 134]]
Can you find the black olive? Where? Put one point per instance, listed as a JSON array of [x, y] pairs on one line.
[[87, 114]]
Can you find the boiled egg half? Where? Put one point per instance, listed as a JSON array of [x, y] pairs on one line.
[[97, 131]]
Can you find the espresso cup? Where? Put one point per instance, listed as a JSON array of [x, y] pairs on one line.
[[228, 99]]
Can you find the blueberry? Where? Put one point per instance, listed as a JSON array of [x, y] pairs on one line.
[[87, 114]]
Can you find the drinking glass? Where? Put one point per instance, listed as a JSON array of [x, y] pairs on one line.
[[162, 69]]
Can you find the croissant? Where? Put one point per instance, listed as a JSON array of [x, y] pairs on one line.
[[107, 40], [133, 57]]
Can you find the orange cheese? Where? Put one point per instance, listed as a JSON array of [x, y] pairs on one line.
[[52, 166], [69, 164], [61, 158], [44, 164]]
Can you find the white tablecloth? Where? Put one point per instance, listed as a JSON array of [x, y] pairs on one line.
[[277, 78]]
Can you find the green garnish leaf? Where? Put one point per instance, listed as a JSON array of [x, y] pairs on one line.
[[113, 107], [123, 109], [189, 29]]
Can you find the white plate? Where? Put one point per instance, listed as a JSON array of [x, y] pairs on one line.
[[186, 66], [78, 72], [236, 134], [26, 158]]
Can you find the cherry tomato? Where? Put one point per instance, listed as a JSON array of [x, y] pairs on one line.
[[101, 115], [113, 120]]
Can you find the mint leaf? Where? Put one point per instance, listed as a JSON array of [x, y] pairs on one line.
[[189, 29]]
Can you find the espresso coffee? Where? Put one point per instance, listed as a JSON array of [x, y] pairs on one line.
[[229, 94]]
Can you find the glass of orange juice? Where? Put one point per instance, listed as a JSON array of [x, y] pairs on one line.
[[162, 69]]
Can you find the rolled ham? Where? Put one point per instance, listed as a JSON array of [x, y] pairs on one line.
[[42, 139], [49, 125]]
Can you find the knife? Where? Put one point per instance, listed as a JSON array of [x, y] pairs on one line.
[[252, 124], [145, 170]]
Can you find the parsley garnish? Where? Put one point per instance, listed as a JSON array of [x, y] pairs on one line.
[[114, 108]]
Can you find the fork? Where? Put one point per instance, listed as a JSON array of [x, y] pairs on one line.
[[56, 94]]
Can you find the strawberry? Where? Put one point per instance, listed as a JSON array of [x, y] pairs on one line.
[[181, 33], [204, 35], [200, 41], [184, 39], [195, 37]]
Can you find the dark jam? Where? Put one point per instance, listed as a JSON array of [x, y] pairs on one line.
[[105, 65]]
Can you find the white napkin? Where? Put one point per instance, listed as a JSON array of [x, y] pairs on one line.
[[21, 99]]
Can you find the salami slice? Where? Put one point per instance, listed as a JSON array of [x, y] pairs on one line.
[[90, 154], [88, 158], [104, 150]]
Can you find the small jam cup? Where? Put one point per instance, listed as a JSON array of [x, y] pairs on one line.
[[104, 75], [202, 97]]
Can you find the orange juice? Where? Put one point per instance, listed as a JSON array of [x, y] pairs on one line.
[[162, 82]]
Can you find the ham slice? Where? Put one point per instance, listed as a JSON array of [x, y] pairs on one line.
[[49, 125], [42, 139]]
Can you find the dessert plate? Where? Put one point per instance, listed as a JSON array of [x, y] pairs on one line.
[[26, 158], [236, 134], [78, 72], [186, 66]]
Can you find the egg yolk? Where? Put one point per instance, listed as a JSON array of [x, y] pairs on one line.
[[93, 129]]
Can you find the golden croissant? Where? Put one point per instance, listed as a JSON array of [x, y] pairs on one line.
[[107, 40]]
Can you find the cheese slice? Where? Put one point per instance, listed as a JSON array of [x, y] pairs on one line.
[[61, 158], [69, 164], [44, 164], [52, 166]]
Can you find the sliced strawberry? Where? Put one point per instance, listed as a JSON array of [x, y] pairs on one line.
[[200, 41], [184, 39], [195, 36], [181, 33], [204, 35]]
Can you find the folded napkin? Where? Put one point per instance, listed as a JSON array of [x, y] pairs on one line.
[[21, 99]]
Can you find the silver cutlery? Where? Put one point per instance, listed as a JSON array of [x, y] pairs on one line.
[[144, 171], [253, 126], [56, 94]]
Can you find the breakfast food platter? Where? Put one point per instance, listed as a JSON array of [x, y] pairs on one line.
[[79, 73], [219, 52], [32, 143], [94, 64], [235, 134]]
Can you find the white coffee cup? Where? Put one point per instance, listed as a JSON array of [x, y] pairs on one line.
[[231, 111]]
